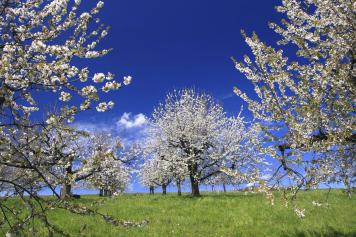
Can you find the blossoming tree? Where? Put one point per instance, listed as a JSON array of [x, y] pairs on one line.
[[40, 41], [306, 102], [163, 164], [156, 172], [113, 175], [197, 135]]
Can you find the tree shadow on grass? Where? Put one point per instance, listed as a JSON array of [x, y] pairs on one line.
[[330, 232]]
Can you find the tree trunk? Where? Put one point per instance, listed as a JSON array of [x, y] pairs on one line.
[[194, 182], [101, 192], [164, 189], [179, 188], [66, 191], [348, 188], [152, 190], [224, 187], [195, 187]]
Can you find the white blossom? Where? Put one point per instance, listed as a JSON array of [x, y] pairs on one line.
[[127, 80], [102, 107], [65, 96], [99, 77]]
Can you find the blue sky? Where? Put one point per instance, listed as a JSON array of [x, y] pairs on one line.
[[168, 45]]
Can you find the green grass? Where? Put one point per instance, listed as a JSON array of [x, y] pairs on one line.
[[231, 214]]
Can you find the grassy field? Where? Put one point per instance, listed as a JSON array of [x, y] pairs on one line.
[[231, 214]]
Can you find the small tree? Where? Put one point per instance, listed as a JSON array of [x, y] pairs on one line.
[[154, 173], [173, 166], [113, 175]]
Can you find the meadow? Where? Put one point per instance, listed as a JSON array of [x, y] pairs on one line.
[[214, 214]]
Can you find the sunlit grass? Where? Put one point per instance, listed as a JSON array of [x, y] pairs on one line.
[[231, 214]]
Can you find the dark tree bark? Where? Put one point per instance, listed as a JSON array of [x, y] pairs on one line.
[[194, 182], [224, 187], [195, 187], [66, 190], [105, 193], [152, 190], [164, 189], [179, 188]]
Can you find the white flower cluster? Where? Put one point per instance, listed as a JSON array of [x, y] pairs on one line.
[[65, 96], [99, 77], [103, 106], [111, 86], [52, 120], [85, 105], [127, 80]]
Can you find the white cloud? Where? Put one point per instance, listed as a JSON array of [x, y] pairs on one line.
[[129, 128], [128, 121]]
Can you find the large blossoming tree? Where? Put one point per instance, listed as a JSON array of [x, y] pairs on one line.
[[196, 134], [307, 101], [40, 45]]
